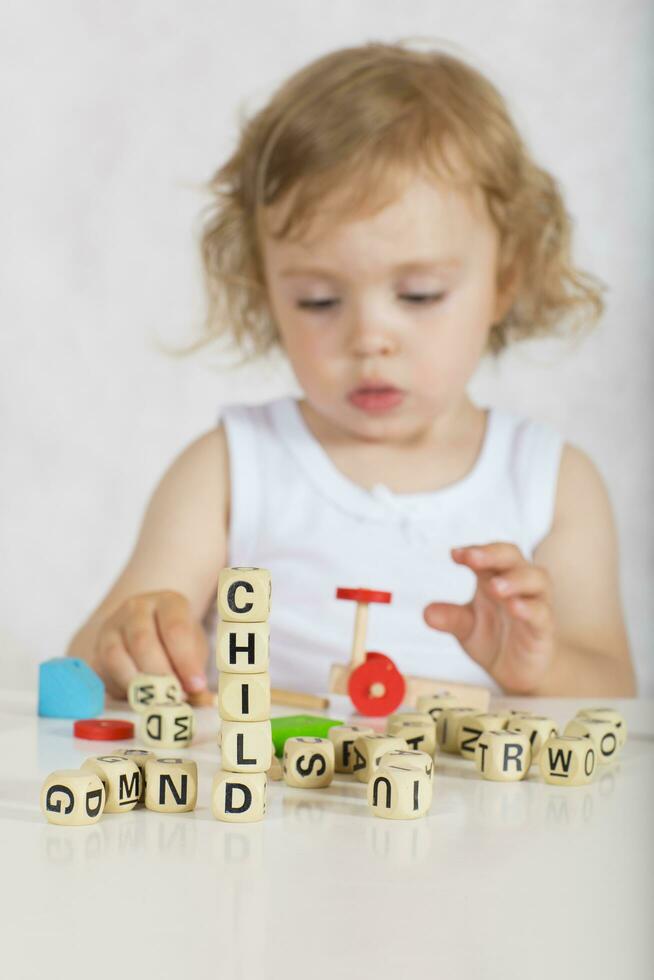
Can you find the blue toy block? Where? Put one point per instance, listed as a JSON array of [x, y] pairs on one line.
[[68, 688]]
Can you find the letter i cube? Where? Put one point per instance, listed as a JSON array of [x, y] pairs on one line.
[[242, 643]]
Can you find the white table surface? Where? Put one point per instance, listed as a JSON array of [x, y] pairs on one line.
[[523, 880]]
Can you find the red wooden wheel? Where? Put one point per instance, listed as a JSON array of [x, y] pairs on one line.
[[377, 672]]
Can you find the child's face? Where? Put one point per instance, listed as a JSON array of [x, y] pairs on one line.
[[365, 328]]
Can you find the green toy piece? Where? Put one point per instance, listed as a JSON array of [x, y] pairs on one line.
[[292, 726]]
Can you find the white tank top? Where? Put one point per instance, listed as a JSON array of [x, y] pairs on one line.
[[295, 513]]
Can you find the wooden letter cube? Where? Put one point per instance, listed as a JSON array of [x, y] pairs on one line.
[[435, 704], [244, 594], [73, 797], [607, 714], [600, 731], [244, 697], [408, 759], [399, 793], [140, 757], [246, 746], [447, 727], [342, 737], [121, 778], [242, 648], [308, 762], [368, 751], [238, 797], [145, 690], [504, 756], [567, 760], [168, 726], [418, 735], [171, 785], [471, 728], [537, 728]]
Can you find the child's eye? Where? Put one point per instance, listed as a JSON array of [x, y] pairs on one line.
[[323, 304]]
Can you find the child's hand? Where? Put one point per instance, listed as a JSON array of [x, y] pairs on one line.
[[508, 626], [153, 633]]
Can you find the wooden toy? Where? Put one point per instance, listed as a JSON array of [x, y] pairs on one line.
[[342, 737], [471, 727], [503, 756], [290, 726], [146, 690], [244, 697], [244, 595], [242, 648], [73, 797], [408, 758], [609, 714], [140, 757], [373, 682], [298, 699], [167, 726], [368, 751], [171, 785], [537, 728], [103, 729], [434, 704], [415, 687], [399, 793], [568, 760], [238, 798], [246, 746], [447, 727], [417, 734], [121, 778], [601, 731], [68, 688], [308, 762]]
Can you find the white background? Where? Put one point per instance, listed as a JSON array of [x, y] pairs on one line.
[[112, 117]]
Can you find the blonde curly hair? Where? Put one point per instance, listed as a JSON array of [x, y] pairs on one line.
[[354, 119]]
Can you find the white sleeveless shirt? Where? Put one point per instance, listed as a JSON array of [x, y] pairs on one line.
[[295, 513]]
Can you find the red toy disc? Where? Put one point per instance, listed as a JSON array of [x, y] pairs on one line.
[[103, 729], [364, 595], [377, 669]]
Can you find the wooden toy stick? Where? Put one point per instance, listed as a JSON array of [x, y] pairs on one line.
[[363, 598], [297, 699]]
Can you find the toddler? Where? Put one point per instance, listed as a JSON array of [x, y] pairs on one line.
[[382, 220]]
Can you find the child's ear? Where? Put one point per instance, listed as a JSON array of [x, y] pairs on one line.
[[507, 289]]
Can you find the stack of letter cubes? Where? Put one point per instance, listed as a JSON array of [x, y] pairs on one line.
[[238, 791]]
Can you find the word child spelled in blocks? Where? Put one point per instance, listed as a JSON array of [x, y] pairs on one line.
[[238, 792]]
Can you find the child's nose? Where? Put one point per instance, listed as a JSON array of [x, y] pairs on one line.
[[371, 335]]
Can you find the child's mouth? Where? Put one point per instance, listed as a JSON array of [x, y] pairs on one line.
[[380, 399]]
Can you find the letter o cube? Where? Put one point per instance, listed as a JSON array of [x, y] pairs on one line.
[[168, 726], [171, 785], [503, 756], [238, 797], [607, 714], [73, 797], [568, 760], [145, 690], [600, 731], [308, 762], [399, 793], [244, 594], [121, 778]]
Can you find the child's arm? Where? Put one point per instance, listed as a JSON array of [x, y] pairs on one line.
[[554, 626], [150, 620]]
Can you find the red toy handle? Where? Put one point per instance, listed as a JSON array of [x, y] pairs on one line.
[[378, 669]]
